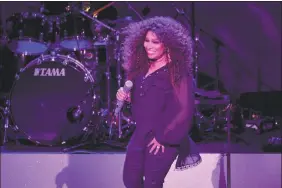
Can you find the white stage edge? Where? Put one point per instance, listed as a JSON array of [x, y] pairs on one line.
[[104, 170]]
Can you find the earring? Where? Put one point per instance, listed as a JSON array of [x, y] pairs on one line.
[[168, 55]]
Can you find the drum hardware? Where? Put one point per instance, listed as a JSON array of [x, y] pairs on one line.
[[195, 38], [194, 26], [104, 114], [267, 124], [53, 8], [119, 79], [262, 125], [53, 66], [211, 98], [218, 43], [199, 120], [93, 132], [96, 12], [220, 122], [98, 133], [75, 33], [95, 20], [120, 132], [6, 122], [53, 121], [73, 30], [134, 10], [29, 33], [108, 73], [274, 144]]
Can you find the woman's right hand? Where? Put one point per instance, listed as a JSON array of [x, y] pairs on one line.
[[122, 96]]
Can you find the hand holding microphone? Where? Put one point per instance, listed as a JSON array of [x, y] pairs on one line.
[[122, 95]]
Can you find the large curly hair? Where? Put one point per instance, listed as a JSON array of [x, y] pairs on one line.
[[175, 37]]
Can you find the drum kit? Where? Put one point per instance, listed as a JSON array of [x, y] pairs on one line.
[[58, 96]]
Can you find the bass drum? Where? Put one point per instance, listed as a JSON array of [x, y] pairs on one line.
[[51, 99]]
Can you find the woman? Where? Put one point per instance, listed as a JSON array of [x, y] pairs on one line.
[[157, 56]]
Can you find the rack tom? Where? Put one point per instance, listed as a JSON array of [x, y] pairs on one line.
[[75, 33], [28, 33]]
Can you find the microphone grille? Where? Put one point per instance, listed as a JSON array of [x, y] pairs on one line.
[[128, 84]]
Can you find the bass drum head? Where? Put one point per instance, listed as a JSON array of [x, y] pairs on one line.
[[46, 95]]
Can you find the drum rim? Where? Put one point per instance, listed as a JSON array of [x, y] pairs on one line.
[[27, 14], [29, 39], [53, 58], [75, 38], [35, 62]]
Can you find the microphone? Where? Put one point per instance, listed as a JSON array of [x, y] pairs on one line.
[[126, 88]]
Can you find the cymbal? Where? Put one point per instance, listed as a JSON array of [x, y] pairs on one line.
[[122, 22], [212, 102], [125, 20], [209, 94]]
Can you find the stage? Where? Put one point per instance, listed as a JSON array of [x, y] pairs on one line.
[[33, 167], [71, 68]]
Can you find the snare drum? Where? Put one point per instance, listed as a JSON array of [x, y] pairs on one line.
[[51, 99], [75, 33], [28, 33]]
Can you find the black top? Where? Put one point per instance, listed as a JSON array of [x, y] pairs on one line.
[[167, 112]]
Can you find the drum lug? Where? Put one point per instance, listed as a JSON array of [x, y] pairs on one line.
[[82, 34], [65, 62], [44, 20], [86, 78], [50, 28], [20, 34], [65, 33], [39, 60], [41, 37], [8, 103], [34, 15], [15, 128], [17, 76]]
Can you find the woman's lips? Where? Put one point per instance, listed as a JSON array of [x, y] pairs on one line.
[[150, 52]]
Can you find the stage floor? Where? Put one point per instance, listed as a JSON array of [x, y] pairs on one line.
[[255, 144], [49, 167], [104, 170]]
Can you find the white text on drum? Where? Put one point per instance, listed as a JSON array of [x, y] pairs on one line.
[[49, 72]]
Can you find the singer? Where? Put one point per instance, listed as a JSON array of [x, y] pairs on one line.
[[157, 57]]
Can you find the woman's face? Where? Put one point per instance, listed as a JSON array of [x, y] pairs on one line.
[[153, 46]]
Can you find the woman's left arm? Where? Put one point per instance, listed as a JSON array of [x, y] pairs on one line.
[[177, 129]]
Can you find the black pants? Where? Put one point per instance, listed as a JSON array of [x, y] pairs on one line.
[[140, 163]]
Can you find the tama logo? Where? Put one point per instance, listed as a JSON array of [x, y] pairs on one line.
[[49, 72]]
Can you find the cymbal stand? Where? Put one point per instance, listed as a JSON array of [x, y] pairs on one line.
[[108, 71], [6, 113], [134, 10], [218, 44], [217, 63], [227, 150], [195, 38], [97, 21], [108, 90], [119, 78]]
